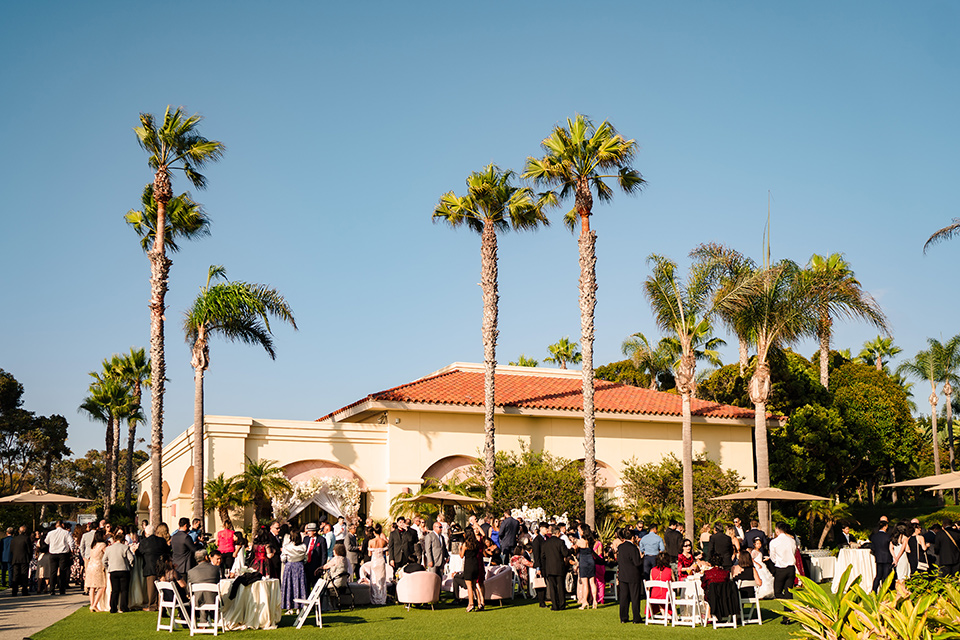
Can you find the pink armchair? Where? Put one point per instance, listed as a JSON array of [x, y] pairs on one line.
[[422, 587], [497, 584]]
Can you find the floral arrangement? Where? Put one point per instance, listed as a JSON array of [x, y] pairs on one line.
[[536, 514], [345, 492]]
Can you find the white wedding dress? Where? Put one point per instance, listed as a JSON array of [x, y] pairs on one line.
[[765, 590], [375, 572]]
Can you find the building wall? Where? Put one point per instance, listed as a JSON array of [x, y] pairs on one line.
[[397, 451]]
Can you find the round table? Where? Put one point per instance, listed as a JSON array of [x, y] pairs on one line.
[[862, 564], [256, 606]]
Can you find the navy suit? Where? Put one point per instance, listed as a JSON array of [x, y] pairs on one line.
[[880, 547]]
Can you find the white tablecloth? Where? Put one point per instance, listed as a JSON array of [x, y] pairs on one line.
[[822, 568], [257, 606], [862, 563]]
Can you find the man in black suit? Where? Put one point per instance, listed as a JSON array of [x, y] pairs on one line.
[[275, 544], [536, 546], [152, 549], [395, 553], [880, 547], [844, 537], [672, 539], [183, 549], [554, 560], [945, 546], [509, 528], [316, 554], [629, 575], [21, 551], [752, 534]]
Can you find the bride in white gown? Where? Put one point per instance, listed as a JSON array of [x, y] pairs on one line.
[[765, 590], [375, 573]]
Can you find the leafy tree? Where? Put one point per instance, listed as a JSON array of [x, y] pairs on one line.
[[260, 482], [839, 294], [524, 361], [814, 451], [492, 204], [48, 443], [222, 494], [878, 351], [578, 159], [656, 363], [173, 145], [624, 372], [829, 512], [563, 351], [537, 479], [15, 424], [660, 485], [239, 312]]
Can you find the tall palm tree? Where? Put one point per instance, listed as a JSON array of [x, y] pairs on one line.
[[524, 361], [222, 494], [653, 361], [134, 369], [684, 309], [173, 145], [563, 351], [840, 294], [951, 367], [579, 158], [779, 306], [876, 351], [492, 203], [261, 481], [928, 365], [238, 311], [735, 270], [109, 401]]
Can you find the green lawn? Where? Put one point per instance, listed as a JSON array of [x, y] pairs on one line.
[[521, 620]]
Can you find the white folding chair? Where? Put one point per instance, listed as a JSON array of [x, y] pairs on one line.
[[750, 601], [313, 600], [665, 614], [169, 600], [687, 603], [196, 590], [732, 621]]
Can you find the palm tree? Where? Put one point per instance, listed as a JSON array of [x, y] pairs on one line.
[[222, 494], [109, 401], [563, 351], [647, 359], [491, 204], [840, 294], [951, 365], [942, 234], [134, 369], [185, 220], [779, 306], [174, 145], [928, 365], [831, 513], [260, 482], [876, 351], [684, 309], [735, 270], [579, 159], [238, 311], [524, 361]]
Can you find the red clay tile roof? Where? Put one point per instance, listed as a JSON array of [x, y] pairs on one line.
[[465, 388]]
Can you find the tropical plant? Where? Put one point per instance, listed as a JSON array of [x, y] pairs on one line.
[[943, 234], [579, 158], [829, 512], [221, 494], [134, 369], [109, 401], [173, 145], [185, 220], [260, 482], [928, 365], [839, 293], [524, 361], [735, 270], [492, 204], [563, 351], [878, 351], [240, 312], [655, 362]]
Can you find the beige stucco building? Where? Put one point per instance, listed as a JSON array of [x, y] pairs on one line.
[[392, 440]]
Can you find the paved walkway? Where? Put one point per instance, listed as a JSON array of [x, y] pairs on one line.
[[24, 615]]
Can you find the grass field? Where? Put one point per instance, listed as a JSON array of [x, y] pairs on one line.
[[523, 619]]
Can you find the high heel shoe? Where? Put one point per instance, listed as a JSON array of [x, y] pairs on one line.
[[469, 608]]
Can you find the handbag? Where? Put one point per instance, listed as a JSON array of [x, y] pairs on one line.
[[539, 582]]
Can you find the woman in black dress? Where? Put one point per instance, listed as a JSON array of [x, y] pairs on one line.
[[586, 570], [471, 551]]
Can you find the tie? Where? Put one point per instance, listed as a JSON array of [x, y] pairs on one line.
[[310, 548]]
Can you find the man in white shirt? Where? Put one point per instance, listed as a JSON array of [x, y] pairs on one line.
[[60, 542], [783, 554], [339, 529]]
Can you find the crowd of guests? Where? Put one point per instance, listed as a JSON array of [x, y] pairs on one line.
[[906, 548]]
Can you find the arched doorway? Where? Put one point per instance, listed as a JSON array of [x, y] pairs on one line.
[[321, 506], [456, 468]]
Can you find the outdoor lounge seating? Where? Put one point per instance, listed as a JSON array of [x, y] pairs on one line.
[[422, 587]]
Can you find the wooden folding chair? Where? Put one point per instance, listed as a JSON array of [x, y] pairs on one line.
[[169, 600]]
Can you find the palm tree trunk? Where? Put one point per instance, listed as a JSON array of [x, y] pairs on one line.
[[588, 303], [198, 442], [687, 436], [128, 485], [744, 354], [108, 467], [826, 531], [824, 356], [936, 444], [488, 281], [159, 273], [759, 392], [115, 475]]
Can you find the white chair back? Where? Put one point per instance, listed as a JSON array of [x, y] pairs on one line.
[[753, 601], [663, 612], [196, 590], [312, 601], [687, 603], [168, 599]]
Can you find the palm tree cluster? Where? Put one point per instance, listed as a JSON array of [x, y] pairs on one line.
[[578, 160], [260, 481]]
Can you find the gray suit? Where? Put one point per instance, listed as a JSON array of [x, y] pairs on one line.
[[434, 552], [204, 573]]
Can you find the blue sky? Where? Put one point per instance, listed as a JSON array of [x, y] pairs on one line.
[[345, 122]]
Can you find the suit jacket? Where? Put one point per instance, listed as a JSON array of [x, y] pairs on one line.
[[672, 541], [353, 548], [182, 548], [722, 545], [152, 549], [433, 550], [752, 534], [843, 539], [21, 551], [205, 572], [536, 545], [629, 562], [945, 548], [553, 557], [880, 547], [395, 548], [317, 557], [509, 528]]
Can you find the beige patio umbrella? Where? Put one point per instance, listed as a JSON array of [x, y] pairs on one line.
[[39, 496], [445, 497], [769, 493], [950, 481], [926, 481]]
